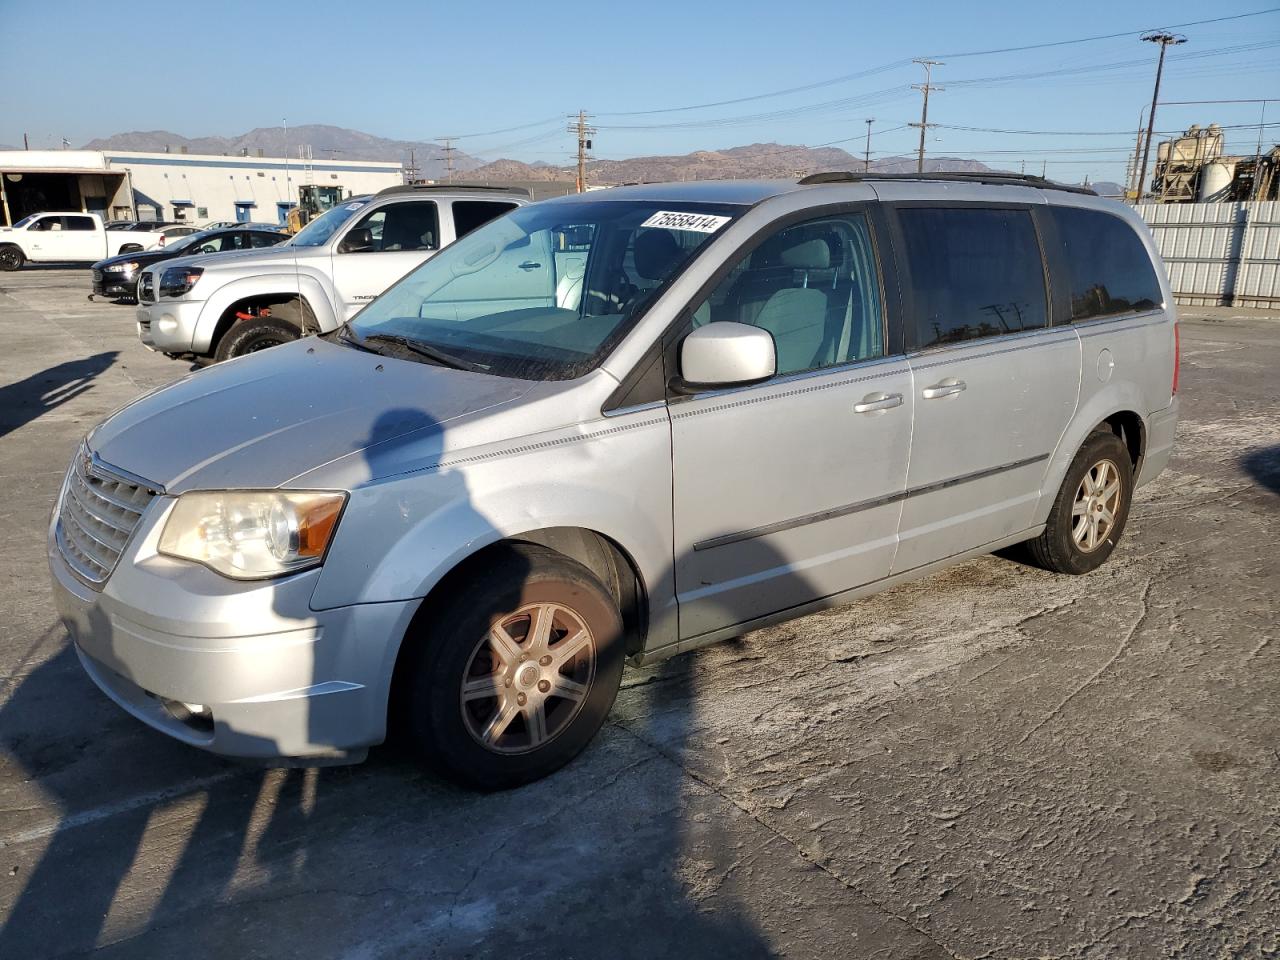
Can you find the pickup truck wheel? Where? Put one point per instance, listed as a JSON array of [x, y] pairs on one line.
[[11, 258], [1089, 514], [250, 336], [516, 671]]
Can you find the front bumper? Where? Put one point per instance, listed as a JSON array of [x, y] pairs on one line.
[[276, 679], [168, 326], [114, 284]]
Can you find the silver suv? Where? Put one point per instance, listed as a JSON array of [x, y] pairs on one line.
[[614, 426], [217, 307]]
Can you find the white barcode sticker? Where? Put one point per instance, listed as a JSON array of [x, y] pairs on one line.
[[697, 222]]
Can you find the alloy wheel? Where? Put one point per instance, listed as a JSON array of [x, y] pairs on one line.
[[528, 678], [1096, 505]]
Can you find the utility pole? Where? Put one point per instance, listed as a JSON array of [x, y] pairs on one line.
[[924, 88], [584, 133], [866, 163], [411, 172], [1165, 40], [448, 149], [1131, 183]]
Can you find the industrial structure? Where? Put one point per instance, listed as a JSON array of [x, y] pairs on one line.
[[198, 188], [1194, 168]]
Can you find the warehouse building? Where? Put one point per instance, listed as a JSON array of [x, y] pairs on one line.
[[129, 185]]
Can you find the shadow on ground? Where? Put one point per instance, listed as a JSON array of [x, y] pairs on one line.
[[1264, 467], [33, 397]]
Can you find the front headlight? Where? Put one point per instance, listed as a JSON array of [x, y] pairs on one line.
[[129, 267], [178, 281], [249, 535]]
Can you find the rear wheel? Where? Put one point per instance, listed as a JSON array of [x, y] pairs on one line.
[[250, 336], [516, 671], [1090, 511], [11, 258]]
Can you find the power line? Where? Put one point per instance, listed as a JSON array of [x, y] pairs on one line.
[[895, 64], [1103, 36]]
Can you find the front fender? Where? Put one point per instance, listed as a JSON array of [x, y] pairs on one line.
[[290, 283], [399, 538]]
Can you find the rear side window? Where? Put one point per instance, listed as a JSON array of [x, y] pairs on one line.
[[264, 239], [79, 223], [975, 272], [1108, 269], [469, 214]]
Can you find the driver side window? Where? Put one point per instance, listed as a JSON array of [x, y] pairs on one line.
[[403, 227], [814, 286]]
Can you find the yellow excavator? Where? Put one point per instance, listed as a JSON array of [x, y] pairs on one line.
[[312, 201]]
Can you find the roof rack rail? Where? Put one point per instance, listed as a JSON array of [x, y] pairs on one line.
[[446, 187], [1008, 179]]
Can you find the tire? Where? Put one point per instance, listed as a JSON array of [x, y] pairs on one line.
[[1078, 537], [11, 258], [250, 336], [506, 693]]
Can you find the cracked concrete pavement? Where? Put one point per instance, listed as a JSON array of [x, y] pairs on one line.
[[994, 762]]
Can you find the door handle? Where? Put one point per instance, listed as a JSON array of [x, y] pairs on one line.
[[946, 388], [878, 402], [530, 265]]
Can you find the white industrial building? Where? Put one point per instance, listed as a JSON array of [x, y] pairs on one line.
[[128, 185]]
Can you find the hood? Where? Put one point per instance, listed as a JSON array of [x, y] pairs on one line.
[[143, 258], [260, 421], [281, 253]]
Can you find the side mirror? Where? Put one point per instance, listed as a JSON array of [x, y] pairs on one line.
[[359, 240], [725, 354]]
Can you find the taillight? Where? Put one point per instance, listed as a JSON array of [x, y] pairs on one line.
[[1177, 356]]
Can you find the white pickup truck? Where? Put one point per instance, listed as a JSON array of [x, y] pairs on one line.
[[226, 305], [68, 238]]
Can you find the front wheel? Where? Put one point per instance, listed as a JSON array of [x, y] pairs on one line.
[[516, 672], [1091, 509], [250, 336], [11, 258]]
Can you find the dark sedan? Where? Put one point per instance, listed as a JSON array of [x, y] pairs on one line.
[[117, 276]]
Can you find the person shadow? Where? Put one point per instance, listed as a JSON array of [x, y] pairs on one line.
[[1263, 465], [32, 397], [162, 850]]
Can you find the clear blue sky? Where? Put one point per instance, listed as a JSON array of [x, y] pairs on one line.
[[419, 70]]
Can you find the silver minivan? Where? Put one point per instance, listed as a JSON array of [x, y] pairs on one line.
[[724, 405]]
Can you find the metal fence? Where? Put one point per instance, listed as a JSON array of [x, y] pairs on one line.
[[1219, 254]]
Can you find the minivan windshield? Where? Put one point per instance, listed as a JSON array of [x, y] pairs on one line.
[[544, 292], [318, 231]]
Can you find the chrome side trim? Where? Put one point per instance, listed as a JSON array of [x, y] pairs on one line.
[[861, 505]]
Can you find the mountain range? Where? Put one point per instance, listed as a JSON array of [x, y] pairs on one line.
[[326, 143], [763, 160]]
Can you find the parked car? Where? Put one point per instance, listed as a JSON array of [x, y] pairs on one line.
[[458, 512], [69, 238], [218, 309], [118, 276]]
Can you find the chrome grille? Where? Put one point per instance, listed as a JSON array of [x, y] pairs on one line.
[[100, 510], [146, 288]]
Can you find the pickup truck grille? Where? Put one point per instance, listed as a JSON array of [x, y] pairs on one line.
[[146, 288], [100, 510]]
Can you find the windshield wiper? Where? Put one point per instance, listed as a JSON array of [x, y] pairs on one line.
[[425, 350]]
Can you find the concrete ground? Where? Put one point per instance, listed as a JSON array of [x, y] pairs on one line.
[[994, 762]]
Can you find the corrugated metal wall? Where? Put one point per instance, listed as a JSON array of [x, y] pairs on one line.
[[1219, 254]]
